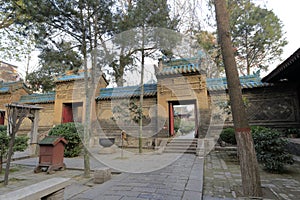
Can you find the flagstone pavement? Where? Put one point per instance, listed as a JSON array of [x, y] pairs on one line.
[[215, 176]]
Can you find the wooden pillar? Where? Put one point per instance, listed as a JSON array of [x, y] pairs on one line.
[[171, 119], [196, 120], [34, 132]]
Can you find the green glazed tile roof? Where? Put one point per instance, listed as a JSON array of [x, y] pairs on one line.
[[52, 140], [70, 77], [180, 66], [4, 89], [213, 84], [250, 81], [5, 86], [38, 98], [127, 92]]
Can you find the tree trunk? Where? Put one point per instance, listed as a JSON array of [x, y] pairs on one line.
[[86, 132], [248, 162], [142, 95], [1, 161], [10, 152]]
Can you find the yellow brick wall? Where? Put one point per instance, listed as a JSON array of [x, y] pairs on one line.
[[12, 96]]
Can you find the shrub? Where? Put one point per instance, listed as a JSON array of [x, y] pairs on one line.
[[72, 133], [187, 126], [228, 136], [187, 129], [177, 122], [20, 144], [270, 149], [3, 128], [292, 132]]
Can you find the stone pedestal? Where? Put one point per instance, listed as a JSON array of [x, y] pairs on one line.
[[107, 150], [101, 175]]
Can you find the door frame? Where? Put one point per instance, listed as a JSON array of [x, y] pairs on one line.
[[171, 105]]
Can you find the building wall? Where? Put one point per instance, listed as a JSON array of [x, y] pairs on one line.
[[5, 98], [8, 72], [13, 95], [46, 118], [74, 92], [105, 126], [67, 92], [183, 88], [105, 114], [274, 106]]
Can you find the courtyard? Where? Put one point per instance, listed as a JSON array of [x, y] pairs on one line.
[[215, 176]]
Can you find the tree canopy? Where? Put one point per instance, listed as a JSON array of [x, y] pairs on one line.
[[54, 62], [136, 14], [257, 35], [16, 37]]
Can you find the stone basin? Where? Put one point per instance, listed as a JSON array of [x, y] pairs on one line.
[[106, 142]]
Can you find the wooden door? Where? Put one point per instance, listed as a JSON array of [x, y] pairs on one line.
[[2, 117], [67, 113]]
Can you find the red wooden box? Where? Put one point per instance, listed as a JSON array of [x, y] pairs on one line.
[[51, 154]]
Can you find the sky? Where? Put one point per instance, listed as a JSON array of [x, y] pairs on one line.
[[287, 11]]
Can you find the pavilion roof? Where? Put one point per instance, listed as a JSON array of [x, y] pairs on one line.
[[288, 70], [180, 66], [38, 98], [70, 77]]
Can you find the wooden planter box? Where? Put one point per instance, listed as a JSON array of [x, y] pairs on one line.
[[51, 154]]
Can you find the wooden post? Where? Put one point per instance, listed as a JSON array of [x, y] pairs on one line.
[[171, 119], [34, 133], [16, 114]]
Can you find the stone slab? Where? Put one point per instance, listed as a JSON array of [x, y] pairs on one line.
[[192, 195], [38, 190]]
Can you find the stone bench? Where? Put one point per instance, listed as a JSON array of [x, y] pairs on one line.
[[51, 189]]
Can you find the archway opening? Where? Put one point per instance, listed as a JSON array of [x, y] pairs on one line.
[[183, 119]]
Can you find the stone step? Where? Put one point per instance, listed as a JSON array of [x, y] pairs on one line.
[[184, 140], [181, 146], [179, 151]]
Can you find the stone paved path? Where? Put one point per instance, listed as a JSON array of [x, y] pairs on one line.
[[223, 179], [180, 180]]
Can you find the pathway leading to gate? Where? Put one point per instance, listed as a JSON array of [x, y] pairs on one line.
[[182, 179]]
